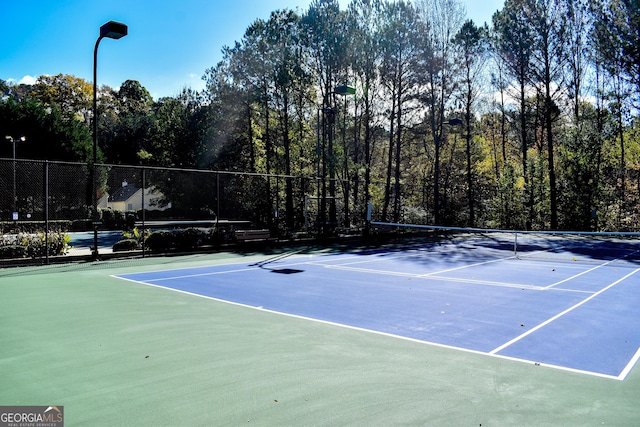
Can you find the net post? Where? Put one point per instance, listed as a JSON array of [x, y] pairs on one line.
[[515, 244]]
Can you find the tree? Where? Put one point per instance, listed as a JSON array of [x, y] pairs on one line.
[[50, 134], [325, 37], [124, 124], [513, 41], [444, 19], [227, 141], [402, 50], [267, 72], [549, 28], [617, 36], [283, 31], [472, 42], [73, 95], [365, 25], [582, 145], [239, 86], [178, 131]]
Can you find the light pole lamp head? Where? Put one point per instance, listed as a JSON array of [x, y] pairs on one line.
[[113, 30], [345, 90], [12, 139], [454, 122]]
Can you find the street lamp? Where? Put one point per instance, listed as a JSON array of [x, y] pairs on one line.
[[111, 30], [345, 90], [15, 197]]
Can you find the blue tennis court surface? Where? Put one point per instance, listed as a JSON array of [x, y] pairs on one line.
[[573, 315]]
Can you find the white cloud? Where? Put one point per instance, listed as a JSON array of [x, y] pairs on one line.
[[28, 80]]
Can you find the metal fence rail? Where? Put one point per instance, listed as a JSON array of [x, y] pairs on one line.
[[46, 200]]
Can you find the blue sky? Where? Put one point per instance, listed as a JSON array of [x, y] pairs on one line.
[[169, 46]]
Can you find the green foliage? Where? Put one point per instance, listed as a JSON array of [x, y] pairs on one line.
[[11, 227], [71, 94], [181, 239], [617, 37], [34, 245], [50, 133], [112, 219], [161, 240], [12, 251], [126, 245], [134, 235]]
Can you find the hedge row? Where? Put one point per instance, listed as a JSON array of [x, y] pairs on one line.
[[34, 245], [12, 227], [169, 240]]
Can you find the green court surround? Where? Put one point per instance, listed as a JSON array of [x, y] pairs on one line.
[[116, 353]]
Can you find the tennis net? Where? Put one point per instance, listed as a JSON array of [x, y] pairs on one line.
[[572, 246]]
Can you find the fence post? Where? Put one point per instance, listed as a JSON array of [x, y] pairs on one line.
[[144, 185], [96, 215], [46, 211]]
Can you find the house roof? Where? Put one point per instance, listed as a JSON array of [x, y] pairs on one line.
[[123, 193]]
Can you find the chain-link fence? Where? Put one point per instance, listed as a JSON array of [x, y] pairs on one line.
[[56, 209]]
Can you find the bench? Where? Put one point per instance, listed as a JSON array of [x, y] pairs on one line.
[[247, 235]]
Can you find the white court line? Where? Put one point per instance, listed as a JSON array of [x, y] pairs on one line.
[[345, 266], [557, 316], [432, 275], [209, 273], [584, 272], [451, 279], [186, 276], [629, 366], [468, 266], [390, 335], [503, 284]]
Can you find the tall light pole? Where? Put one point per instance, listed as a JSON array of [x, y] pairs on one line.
[[111, 30], [15, 194]]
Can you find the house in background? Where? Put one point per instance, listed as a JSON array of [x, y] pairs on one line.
[[129, 198]]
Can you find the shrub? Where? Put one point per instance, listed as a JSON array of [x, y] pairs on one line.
[[34, 245], [160, 240], [12, 251], [113, 220], [189, 239], [165, 240], [125, 245], [33, 226]]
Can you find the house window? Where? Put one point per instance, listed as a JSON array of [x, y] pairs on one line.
[[129, 206]]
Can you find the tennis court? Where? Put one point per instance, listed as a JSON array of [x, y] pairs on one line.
[[574, 315], [448, 331]]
